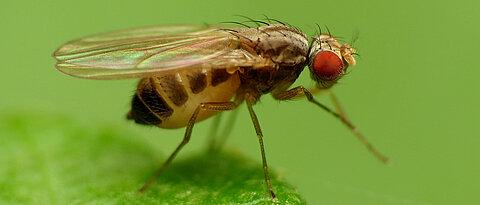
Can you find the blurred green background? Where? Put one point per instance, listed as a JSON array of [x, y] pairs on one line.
[[414, 92]]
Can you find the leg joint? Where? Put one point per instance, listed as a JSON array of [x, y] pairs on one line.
[[217, 106]]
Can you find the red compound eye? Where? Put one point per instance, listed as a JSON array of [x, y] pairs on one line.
[[327, 65]]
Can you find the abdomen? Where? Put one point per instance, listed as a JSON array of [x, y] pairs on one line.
[[168, 101]]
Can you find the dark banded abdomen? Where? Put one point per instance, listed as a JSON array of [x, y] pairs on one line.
[[169, 101]]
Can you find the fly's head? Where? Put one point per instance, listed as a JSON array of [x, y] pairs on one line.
[[329, 60]]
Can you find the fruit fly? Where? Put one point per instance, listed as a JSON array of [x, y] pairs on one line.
[[190, 73]]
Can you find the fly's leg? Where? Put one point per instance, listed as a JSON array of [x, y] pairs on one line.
[[212, 106], [312, 91], [315, 91], [300, 90], [250, 101], [218, 140], [228, 127], [334, 99], [212, 134], [337, 105]]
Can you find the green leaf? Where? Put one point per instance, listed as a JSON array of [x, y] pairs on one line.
[[48, 159]]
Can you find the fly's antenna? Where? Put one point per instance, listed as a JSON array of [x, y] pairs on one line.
[[357, 54], [355, 37]]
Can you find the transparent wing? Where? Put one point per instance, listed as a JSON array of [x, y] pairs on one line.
[[141, 52]]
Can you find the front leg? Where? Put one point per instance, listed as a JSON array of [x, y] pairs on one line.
[[315, 91], [300, 90]]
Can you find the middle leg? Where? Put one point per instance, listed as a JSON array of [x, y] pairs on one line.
[[250, 101]]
